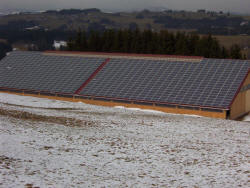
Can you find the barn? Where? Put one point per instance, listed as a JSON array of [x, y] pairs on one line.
[[217, 88]]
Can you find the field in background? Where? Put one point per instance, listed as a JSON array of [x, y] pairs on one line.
[[227, 41], [247, 17], [241, 40]]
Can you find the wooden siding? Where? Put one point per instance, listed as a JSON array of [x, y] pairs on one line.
[[241, 104], [173, 110]]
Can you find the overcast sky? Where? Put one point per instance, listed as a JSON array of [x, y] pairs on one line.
[[242, 6]]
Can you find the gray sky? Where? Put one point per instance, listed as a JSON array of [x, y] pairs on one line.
[[224, 5]]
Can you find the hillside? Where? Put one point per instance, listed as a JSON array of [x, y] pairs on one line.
[[73, 19], [38, 30], [48, 143]]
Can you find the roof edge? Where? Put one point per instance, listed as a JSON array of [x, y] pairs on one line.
[[125, 55], [111, 98], [158, 102]]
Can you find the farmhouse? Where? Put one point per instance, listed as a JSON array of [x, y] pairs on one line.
[[175, 84]]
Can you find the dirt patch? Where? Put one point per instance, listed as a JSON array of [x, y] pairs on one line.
[[30, 185], [44, 108], [49, 119], [7, 163]]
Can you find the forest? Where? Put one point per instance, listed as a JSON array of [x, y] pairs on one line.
[[149, 42], [4, 48]]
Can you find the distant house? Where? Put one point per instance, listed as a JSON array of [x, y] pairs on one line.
[[201, 11], [59, 44], [244, 23], [217, 88], [33, 28]]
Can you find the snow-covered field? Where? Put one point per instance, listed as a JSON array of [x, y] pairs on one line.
[[48, 143]]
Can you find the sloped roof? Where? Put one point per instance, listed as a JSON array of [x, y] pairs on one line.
[[198, 82], [208, 83], [36, 71]]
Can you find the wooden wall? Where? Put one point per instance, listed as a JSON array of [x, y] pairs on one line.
[[241, 104], [175, 110]]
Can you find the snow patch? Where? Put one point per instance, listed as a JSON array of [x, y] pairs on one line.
[[141, 110], [122, 148], [246, 118]]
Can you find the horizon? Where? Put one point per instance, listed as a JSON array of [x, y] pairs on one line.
[[242, 6], [152, 9]]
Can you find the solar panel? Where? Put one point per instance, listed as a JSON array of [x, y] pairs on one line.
[[208, 83], [35, 71], [211, 82]]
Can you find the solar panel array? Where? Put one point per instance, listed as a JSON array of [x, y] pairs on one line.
[[210, 83], [35, 71]]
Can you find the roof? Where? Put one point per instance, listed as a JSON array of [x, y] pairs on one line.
[[39, 72], [211, 83]]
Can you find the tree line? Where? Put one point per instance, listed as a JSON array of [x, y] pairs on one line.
[[4, 48], [149, 42]]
